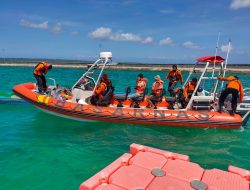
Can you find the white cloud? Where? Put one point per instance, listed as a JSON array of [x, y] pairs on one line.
[[108, 34], [29, 24], [147, 40], [237, 4], [57, 28], [190, 45], [125, 37], [224, 48], [166, 41], [102, 33]]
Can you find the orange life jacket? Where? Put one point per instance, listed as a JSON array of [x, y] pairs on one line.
[[141, 85], [175, 75], [234, 83], [157, 87], [189, 89], [41, 68], [108, 83], [100, 89]]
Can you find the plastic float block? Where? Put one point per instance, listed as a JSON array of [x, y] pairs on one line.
[[135, 148], [242, 172], [221, 180], [183, 170], [131, 177], [148, 160], [169, 183], [103, 176], [108, 187], [148, 168]]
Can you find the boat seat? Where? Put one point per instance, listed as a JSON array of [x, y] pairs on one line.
[[138, 99], [120, 97], [170, 99]]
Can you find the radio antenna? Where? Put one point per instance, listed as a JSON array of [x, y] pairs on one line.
[[216, 52], [225, 66]]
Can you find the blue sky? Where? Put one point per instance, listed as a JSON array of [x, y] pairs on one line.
[[150, 31]]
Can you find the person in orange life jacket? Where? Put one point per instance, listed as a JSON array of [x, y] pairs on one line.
[[107, 82], [234, 87], [103, 92], [39, 72], [174, 76], [189, 89], [156, 93], [141, 84]]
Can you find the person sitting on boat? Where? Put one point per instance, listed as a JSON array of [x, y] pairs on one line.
[[39, 72], [233, 87], [156, 93], [189, 89], [174, 76], [103, 93], [107, 82], [140, 86]]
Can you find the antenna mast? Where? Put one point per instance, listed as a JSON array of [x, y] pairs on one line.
[[225, 66], [216, 51]]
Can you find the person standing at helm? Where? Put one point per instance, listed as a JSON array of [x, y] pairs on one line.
[[39, 72], [189, 89], [174, 76], [140, 86], [234, 87]]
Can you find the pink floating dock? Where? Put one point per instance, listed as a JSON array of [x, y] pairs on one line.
[[146, 168]]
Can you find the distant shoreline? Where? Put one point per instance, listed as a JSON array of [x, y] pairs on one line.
[[144, 67]]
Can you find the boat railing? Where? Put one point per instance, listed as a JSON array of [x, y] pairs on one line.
[[54, 81], [209, 95], [101, 63]]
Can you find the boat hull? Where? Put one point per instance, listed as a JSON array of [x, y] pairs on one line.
[[181, 118]]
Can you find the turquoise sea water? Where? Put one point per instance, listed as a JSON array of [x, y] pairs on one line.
[[41, 151]]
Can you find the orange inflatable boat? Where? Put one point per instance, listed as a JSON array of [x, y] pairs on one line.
[[199, 112], [153, 169]]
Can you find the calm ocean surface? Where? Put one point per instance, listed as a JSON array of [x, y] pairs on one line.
[[40, 151]]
